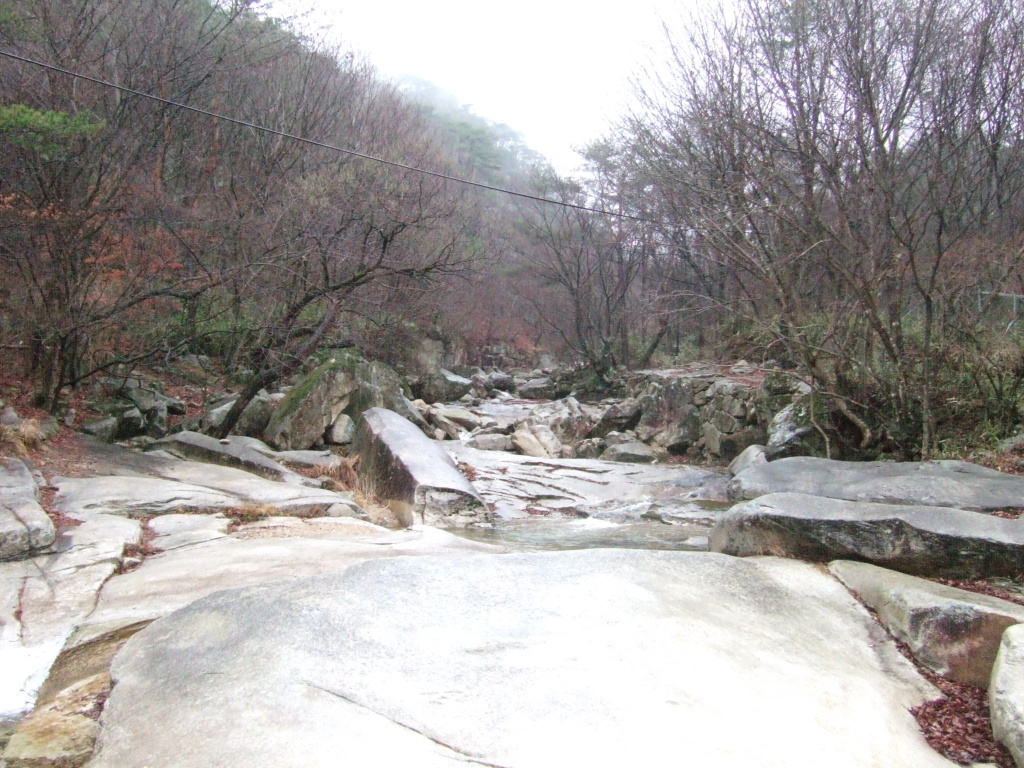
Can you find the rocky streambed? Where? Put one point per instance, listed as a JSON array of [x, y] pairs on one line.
[[209, 605]]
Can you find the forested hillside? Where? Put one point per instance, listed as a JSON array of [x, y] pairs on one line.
[[836, 188], [134, 229]]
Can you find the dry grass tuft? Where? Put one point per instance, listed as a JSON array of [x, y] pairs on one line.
[[31, 433], [248, 513], [345, 471], [22, 438], [11, 442]]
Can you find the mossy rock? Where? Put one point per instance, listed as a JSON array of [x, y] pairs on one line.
[[344, 384]]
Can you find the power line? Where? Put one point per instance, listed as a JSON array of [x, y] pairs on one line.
[[320, 144]]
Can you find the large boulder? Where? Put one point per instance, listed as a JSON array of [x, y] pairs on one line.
[[925, 541], [951, 631], [501, 381], [566, 419], [541, 388], [632, 451], [442, 387], [256, 416], [343, 385], [536, 440], [309, 409], [597, 658], [930, 483], [796, 429], [413, 474]]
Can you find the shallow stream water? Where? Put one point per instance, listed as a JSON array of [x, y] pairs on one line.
[[642, 525]]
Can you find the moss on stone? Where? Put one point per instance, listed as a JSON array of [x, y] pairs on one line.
[[297, 394]]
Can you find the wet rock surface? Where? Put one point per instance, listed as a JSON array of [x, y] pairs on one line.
[[520, 486], [596, 658], [44, 598]]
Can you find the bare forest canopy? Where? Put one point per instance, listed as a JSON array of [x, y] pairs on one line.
[[831, 186]]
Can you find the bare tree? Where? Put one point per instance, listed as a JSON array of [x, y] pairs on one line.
[[844, 161]]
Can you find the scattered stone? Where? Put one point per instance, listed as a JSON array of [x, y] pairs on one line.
[[751, 456], [343, 431], [443, 387], [537, 389], [491, 443], [633, 452], [951, 631], [924, 541], [101, 429]]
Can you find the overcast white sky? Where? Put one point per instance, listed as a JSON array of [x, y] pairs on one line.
[[556, 71]]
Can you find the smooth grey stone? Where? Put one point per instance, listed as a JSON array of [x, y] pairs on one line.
[[599, 658], [932, 483], [924, 541], [413, 474]]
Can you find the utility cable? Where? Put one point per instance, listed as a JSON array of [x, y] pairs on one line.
[[320, 144]]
